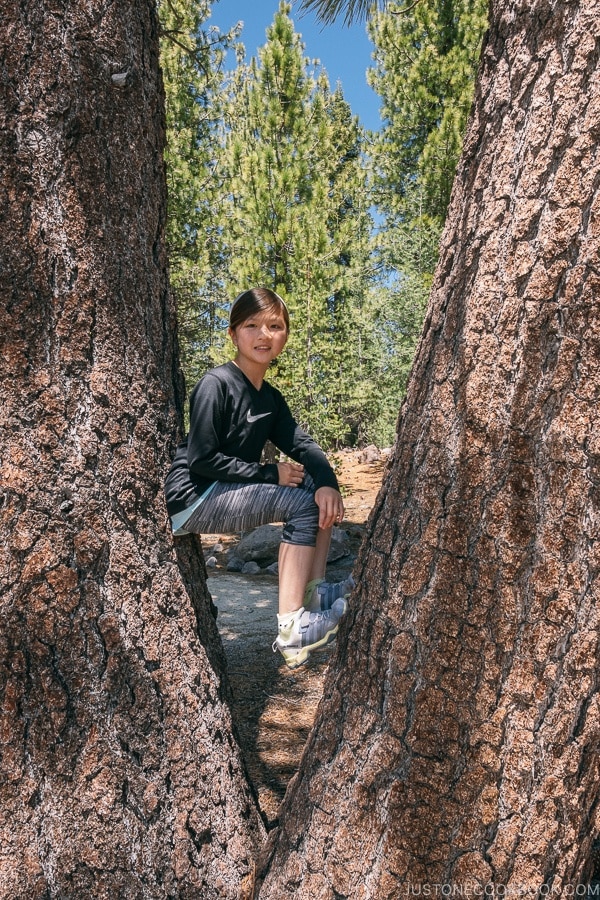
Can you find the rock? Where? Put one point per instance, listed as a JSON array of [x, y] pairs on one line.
[[251, 568], [261, 545], [235, 564], [273, 569], [217, 548], [340, 545], [370, 454], [211, 562]]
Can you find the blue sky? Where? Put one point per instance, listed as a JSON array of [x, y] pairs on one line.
[[344, 52]]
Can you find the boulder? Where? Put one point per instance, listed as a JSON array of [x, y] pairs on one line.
[[340, 545], [235, 564], [262, 545], [370, 454]]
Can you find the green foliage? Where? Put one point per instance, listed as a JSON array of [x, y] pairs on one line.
[[388, 319], [191, 60], [329, 10], [426, 58], [297, 217], [267, 185]]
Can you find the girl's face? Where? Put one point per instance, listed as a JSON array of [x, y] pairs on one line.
[[260, 338]]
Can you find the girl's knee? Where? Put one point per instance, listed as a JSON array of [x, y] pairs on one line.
[[304, 535], [302, 526]]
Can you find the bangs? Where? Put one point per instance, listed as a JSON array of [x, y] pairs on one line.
[[254, 301]]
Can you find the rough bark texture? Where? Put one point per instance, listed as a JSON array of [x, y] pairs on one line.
[[457, 743], [119, 773]]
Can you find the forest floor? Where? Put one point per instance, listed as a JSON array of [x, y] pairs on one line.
[[273, 706]]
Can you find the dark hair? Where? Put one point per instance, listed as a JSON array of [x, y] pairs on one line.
[[253, 301]]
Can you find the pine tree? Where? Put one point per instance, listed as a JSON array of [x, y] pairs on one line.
[[455, 747], [119, 773], [298, 216], [426, 57], [191, 59]]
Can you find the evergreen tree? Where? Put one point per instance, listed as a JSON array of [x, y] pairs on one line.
[[191, 60], [119, 773], [426, 57], [297, 218], [456, 742]]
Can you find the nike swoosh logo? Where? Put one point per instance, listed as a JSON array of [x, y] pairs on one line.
[[252, 418]]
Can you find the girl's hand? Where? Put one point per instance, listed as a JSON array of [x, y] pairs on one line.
[[331, 507], [290, 474]]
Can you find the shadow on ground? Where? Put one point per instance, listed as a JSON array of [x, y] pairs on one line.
[[273, 707]]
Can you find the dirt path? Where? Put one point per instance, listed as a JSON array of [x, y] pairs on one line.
[[274, 707]]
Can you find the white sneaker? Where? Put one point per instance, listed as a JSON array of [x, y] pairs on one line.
[[308, 631]]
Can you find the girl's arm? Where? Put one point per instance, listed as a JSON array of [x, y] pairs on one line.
[[296, 443]]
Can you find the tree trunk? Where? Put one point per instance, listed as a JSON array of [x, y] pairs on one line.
[[119, 775], [457, 744]]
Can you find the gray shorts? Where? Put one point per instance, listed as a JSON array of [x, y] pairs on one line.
[[240, 507]]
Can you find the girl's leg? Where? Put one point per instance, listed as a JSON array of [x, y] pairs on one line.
[[320, 594], [298, 566], [321, 552], [232, 507], [295, 567], [240, 507]]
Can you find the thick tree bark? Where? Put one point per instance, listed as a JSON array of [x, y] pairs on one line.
[[457, 743], [119, 775]]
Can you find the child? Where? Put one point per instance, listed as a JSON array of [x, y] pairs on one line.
[[217, 483]]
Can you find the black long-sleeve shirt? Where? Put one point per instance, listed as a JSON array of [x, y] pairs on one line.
[[230, 423]]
